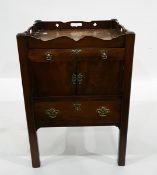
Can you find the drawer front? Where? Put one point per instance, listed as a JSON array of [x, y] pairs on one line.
[[41, 55], [77, 113], [101, 54]]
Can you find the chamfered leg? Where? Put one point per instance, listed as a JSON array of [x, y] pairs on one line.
[[122, 146], [126, 88], [33, 140]]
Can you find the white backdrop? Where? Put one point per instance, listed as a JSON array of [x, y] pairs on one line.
[[138, 16]]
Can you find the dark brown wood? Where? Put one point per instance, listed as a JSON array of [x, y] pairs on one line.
[[113, 54], [69, 116], [38, 55], [99, 77], [50, 80], [130, 37], [52, 25], [23, 51], [76, 76]]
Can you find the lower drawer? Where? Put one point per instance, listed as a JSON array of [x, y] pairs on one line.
[[76, 113]]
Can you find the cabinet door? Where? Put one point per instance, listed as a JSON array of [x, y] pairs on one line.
[[100, 75], [51, 72]]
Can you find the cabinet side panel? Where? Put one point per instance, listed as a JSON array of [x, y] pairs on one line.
[[23, 51], [126, 88]]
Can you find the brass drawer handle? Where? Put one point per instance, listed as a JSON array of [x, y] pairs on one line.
[[103, 111], [103, 54], [76, 51], [77, 106], [52, 112], [48, 56]]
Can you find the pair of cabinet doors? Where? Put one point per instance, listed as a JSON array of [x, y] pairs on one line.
[[83, 71]]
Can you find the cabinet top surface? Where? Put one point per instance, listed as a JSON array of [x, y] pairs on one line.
[[76, 30], [77, 34]]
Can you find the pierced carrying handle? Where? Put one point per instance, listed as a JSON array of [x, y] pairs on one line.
[[103, 111], [52, 112], [75, 24]]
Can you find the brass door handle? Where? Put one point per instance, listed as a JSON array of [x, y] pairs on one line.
[[77, 78], [103, 111], [74, 78], [80, 78], [48, 56], [52, 112], [103, 54]]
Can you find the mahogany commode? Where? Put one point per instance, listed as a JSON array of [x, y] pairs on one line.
[[76, 74]]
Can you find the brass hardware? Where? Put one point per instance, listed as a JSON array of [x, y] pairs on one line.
[[52, 113], [103, 111], [80, 78], [48, 56], [77, 106], [76, 51], [77, 78], [74, 78], [103, 54]]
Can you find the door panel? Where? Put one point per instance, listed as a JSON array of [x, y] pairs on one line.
[[99, 77], [52, 78]]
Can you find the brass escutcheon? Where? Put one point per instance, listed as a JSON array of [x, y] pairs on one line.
[[76, 51], [77, 106]]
